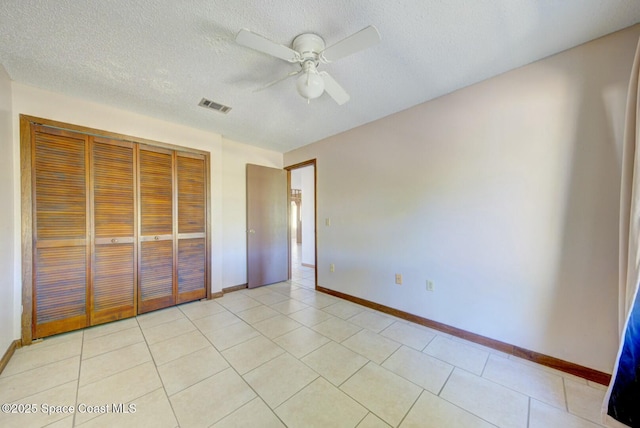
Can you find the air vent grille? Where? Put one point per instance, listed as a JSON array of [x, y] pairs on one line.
[[214, 106]]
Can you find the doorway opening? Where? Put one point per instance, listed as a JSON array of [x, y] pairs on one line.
[[302, 224]]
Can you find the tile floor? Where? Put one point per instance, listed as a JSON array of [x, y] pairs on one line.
[[284, 355]]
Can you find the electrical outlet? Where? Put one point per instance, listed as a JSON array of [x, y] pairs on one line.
[[398, 278], [327, 221], [332, 267], [430, 285]]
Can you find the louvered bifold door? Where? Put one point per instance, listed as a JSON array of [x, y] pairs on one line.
[[156, 250], [114, 273], [191, 223], [60, 225]]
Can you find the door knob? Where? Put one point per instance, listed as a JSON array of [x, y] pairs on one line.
[[252, 231]]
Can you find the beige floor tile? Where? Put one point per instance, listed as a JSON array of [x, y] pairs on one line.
[[42, 407], [62, 423], [216, 321], [177, 346], [431, 411], [597, 385], [487, 400], [305, 282], [207, 402], [162, 316], [73, 336], [25, 384], [321, 404], [276, 326], [343, 310], [301, 341], [31, 357], [302, 293], [253, 414], [289, 306], [279, 379], [201, 309], [252, 292], [310, 316], [150, 410], [335, 362], [336, 329], [548, 369], [234, 295], [408, 334], [110, 327], [542, 415], [110, 363], [460, 355], [319, 300], [283, 288], [270, 298], [371, 345], [251, 354], [372, 421], [231, 335], [111, 342], [430, 330], [489, 350], [257, 314], [419, 368], [539, 384], [373, 321], [290, 291], [239, 304], [190, 369], [168, 330], [122, 387], [181, 371], [583, 400], [384, 393]]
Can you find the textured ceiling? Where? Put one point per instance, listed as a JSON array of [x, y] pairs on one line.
[[160, 57]]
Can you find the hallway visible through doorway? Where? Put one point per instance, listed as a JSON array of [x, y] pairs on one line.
[[302, 276], [303, 224]]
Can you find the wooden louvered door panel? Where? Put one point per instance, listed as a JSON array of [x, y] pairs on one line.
[[192, 253], [114, 274], [60, 225], [156, 253]]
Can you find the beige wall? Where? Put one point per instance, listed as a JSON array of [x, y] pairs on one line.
[[226, 179], [505, 194], [8, 295]]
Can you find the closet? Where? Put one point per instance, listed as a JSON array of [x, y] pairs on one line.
[[112, 227]]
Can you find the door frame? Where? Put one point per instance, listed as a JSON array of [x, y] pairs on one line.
[[310, 162]]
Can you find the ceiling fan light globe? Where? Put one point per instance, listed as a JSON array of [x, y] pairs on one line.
[[310, 85]]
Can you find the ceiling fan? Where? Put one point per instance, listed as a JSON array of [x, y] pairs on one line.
[[309, 51]]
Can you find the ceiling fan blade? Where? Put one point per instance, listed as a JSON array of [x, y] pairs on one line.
[[363, 39], [334, 89], [268, 85], [262, 44]]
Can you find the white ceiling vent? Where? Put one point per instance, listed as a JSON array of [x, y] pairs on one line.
[[214, 106]]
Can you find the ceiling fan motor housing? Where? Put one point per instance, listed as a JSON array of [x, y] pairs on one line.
[[309, 46]]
